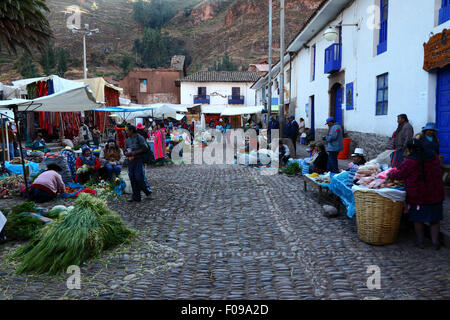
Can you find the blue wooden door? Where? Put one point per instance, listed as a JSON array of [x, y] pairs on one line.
[[443, 113], [338, 105]]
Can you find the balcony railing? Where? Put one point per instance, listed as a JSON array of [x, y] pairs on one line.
[[333, 58], [236, 99], [202, 99], [444, 14]]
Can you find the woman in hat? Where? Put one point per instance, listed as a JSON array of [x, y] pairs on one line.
[[89, 161], [421, 171], [429, 138], [358, 158], [141, 130], [320, 164], [112, 158], [68, 153]]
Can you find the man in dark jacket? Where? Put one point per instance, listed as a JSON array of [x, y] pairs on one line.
[[136, 147], [291, 131], [400, 138], [335, 144]]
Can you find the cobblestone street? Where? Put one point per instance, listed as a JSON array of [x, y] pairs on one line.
[[229, 232]]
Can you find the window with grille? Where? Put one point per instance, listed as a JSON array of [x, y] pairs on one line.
[[382, 94]]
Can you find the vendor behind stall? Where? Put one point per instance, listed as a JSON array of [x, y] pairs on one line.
[[87, 165], [320, 164], [112, 158], [47, 185], [358, 157]]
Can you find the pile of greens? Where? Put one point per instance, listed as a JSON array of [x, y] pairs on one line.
[[88, 229], [292, 169], [19, 227]]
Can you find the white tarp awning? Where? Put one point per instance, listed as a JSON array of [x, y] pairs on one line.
[[236, 111], [59, 84], [70, 100], [213, 109]]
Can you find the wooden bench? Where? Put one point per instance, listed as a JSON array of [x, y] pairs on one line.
[[323, 191]]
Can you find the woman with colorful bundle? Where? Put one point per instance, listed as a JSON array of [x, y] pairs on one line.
[[86, 165], [422, 174], [160, 142]]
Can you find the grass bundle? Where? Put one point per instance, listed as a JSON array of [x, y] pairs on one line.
[[292, 169], [86, 231], [19, 227]]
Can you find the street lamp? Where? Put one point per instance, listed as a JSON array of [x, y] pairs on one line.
[[86, 32], [332, 32]]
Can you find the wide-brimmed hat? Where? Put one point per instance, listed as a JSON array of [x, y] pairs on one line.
[[430, 126], [358, 152], [330, 119], [67, 148]]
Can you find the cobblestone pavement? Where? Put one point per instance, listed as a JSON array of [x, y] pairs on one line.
[[229, 232]]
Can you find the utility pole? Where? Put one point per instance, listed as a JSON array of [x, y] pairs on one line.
[[84, 56], [281, 87], [269, 96]]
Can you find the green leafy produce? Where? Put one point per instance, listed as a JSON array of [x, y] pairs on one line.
[[20, 227], [292, 169], [24, 207], [85, 232]]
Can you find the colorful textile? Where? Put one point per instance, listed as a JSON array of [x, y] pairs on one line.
[[71, 160], [86, 190], [160, 144]]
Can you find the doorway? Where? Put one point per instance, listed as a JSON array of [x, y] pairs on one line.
[[443, 112]]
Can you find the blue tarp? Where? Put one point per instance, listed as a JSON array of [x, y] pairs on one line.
[[71, 185], [339, 187], [18, 169]]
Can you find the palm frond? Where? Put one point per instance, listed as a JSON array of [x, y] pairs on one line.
[[24, 25]]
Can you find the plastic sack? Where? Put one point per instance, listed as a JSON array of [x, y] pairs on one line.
[[384, 158], [120, 188], [17, 168], [124, 177], [60, 161]]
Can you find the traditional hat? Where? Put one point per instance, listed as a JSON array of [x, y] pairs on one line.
[[140, 126], [430, 126], [358, 152]]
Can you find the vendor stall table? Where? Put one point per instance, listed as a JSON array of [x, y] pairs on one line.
[[323, 188]]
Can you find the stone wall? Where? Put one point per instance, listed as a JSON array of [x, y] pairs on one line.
[[372, 144]]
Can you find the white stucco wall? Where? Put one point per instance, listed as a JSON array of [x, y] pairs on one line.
[[411, 89], [218, 92]]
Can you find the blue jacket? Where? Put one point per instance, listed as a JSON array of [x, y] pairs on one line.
[[274, 124], [335, 138], [291, 129]]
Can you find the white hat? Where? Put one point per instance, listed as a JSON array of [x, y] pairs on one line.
[[358, 152]]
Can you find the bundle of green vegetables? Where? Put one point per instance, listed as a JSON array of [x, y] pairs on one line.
[[292, 169], [88, 229], [19, 227]]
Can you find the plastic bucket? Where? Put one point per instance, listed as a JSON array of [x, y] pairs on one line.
[[344, 154]]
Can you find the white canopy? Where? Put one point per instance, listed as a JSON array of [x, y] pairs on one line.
[[235, 111], [69, 100], [59, 84], [213, 109]]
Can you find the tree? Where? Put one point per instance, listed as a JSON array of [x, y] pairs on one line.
[[127, 64], [224, 64], [48, 60], [62, 56], [26, 67], [153, 14], [24, 25]]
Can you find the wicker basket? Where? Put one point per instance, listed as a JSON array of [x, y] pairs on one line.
[[377, 218]]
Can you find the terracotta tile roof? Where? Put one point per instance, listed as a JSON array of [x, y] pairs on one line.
[[222, 76]]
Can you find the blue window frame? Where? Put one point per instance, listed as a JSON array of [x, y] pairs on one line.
[[349, 96], [382, 44], [314, 63], [382, 94], [444, 12]]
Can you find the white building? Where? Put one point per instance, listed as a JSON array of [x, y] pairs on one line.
[[374, 71], [217, 90]]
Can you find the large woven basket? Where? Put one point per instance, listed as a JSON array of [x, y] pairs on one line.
[[377, 218]]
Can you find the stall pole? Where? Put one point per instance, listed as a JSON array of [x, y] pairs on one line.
[[19, 138], [3, 140]]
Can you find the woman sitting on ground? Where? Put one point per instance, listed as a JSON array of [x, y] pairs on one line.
[[47, 185], [320, 164], [112, 158], [90, 162]]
